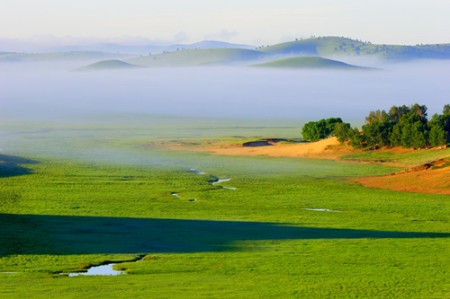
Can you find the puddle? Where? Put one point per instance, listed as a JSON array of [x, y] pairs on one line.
[[176, 194], [8, 272], [214, 182], [218, 181], [104, 270], [196, 171], [323, 210], [229, 188]]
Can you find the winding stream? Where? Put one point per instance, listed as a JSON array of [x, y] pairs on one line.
[[323, 210]]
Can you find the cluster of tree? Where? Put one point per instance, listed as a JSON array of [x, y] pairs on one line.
[[400, 126], [324, 128]]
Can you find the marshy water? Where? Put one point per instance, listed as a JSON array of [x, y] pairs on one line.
[[322, 210], [106, 269], [103, 270]]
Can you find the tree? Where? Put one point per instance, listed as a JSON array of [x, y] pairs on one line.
[[407, 135], [395, 138], [396, 113], [419, 136], [438, 136], [311, 131], [316, 130], [342, 131], [357, 139]]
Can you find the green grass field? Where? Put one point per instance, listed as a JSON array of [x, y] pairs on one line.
[[73, 196]]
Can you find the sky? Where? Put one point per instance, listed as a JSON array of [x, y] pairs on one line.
[[256, 22]]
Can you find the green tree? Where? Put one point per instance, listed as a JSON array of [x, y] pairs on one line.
[[438, 136], [419, 136], [395, 138], [407, 135], [316, 130], [342, 131], [357, 139]]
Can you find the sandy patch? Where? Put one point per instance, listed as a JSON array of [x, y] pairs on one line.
[[325, 149], [433, 178]]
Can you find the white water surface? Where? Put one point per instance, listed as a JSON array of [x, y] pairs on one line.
[[103, 270]]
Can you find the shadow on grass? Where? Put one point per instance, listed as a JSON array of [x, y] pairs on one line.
[[11, 166], [40, 234]]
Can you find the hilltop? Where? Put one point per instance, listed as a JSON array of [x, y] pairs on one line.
[[309, 62], [305, 53], [108, 65], [199, 57], [340, 46]]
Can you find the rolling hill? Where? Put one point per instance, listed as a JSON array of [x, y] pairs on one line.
[[199, 57], [309, 62], [339, 46], [57, 56], [108, 65]]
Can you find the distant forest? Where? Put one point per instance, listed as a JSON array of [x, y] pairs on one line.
[[403, 126]]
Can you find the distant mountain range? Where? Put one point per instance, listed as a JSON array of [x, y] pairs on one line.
[[141, 48], [294, 54]]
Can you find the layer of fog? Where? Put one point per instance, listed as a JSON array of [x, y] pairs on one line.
[[36, 90]]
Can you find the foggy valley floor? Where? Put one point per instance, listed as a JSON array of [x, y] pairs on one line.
[[78, 193], [86, 179]]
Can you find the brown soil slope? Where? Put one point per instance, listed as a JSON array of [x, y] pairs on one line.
[[324, 149], [429, 178]]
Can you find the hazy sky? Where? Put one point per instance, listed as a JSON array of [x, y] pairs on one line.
[[244, 21]]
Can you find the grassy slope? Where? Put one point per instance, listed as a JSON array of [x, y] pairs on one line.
[[309, 62], [60, 215], [198, 57], [404, 158], [329, 46]]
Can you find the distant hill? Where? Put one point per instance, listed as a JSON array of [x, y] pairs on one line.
[[208, 53], [199, 57], [308, 62], [56, 56], [109, 65], [339, 46], [144, 49]]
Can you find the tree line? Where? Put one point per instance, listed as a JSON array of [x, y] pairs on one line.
[[403, 126]]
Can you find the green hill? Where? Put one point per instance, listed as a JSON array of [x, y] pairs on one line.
[[335, 46], [109, 65], [308, 62], [199, 57]]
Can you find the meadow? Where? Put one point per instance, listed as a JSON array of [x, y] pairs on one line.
[[77, 194]]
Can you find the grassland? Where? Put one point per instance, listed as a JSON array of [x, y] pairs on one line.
[[62, 210]]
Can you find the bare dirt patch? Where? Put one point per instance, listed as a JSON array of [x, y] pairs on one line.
[[431, 178], [325, 149]]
